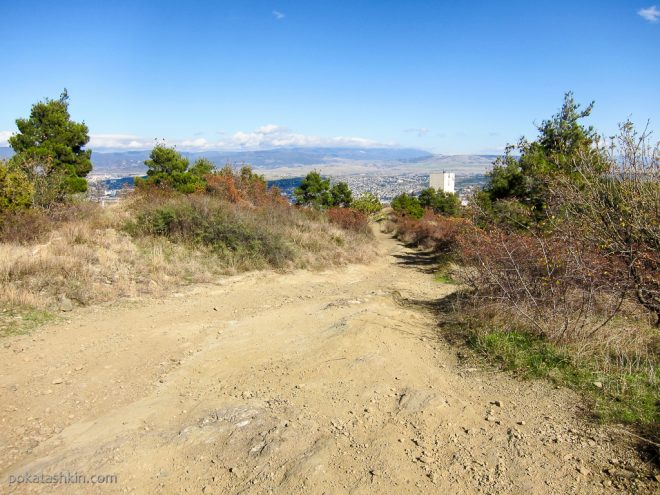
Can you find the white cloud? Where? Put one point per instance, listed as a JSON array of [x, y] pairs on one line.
[[263, 137], [651, 14], [119, 141], [270, 129], [4, 137], [199, 143], [278, 15], [275, 136]]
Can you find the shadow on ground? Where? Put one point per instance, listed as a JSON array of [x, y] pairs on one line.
[[425, 262]]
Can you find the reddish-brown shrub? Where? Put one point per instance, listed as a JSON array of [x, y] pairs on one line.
[[243, 186], [223, 185], [436, 232], [560, 286], [617, 211], [349, 219]]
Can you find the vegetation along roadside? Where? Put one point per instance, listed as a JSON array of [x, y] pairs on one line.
[[185, 222], [556, 262]]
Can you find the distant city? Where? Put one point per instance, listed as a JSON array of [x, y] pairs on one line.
[[385, 172], [385, 187]]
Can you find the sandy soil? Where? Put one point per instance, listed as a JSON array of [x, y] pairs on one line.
[[329, 382]]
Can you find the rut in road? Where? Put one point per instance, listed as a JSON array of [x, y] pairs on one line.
[[297, 383]]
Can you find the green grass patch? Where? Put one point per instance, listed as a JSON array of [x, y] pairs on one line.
[[443, 272], [19, 322], [443, 278], [617, 395]]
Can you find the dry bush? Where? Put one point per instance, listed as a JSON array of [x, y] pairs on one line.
[[349, 219], [552, 281], [544, 306], [433, 231], [567, 296], [87, 254], [25, 226], [36, 224], [88, 264], [223, 185], [259, 232], [618, 212], [231, 232], [243, 186], [595, 256]]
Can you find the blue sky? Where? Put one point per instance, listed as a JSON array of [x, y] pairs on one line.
[[446, 76]]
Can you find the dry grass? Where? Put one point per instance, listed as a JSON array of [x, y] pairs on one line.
[[617, 373], [321, 244], [90, 257], [89, 265]]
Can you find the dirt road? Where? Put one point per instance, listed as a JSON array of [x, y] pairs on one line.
[[288, 384]]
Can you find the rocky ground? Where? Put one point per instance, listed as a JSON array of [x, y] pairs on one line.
[[332, 382]]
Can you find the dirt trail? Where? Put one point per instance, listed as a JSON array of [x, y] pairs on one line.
[[297, 383]]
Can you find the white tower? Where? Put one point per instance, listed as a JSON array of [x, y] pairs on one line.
[[445, 181]]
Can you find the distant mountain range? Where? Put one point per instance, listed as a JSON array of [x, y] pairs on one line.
[[289, 162], [264, 159]]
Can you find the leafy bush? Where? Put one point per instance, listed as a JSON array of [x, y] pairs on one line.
[[46, 181], [405, 204], [201, 167], [507, 213], [368, 203], [167, 168], [440, 201], [314, 190], [524, 179], [340, 195], [16, 190]]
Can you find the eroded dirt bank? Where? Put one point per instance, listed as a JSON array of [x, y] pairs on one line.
[[297, 383]]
